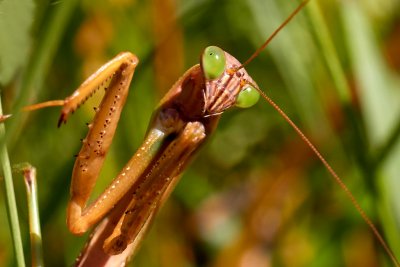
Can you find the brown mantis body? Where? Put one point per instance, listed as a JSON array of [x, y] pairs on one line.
[[184, 118]]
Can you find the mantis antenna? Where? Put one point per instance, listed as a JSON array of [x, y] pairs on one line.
[[271, 37], [335, 176]]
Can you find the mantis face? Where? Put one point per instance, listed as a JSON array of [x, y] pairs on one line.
[[226, 84], [208, 89]]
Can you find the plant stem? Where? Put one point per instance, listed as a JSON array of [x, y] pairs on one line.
[[10, 198], [29, 173]]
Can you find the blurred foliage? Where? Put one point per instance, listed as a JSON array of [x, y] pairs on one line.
[[15, 19], [256, 195]]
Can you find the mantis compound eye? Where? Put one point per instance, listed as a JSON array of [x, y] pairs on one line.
[[213, 62], [247, 97]]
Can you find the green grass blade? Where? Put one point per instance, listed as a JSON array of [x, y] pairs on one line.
[[39, 65], [29, 173], [329, 52], [379, 107], [16, 18], [10, 198]]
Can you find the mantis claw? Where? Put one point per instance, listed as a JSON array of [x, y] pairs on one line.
[[62, 119]]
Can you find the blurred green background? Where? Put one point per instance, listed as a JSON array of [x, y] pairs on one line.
[[255, 195]]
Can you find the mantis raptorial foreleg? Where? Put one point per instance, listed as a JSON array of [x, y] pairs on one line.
[[153, 187], [96, 144], [131, 226], [142, 183]]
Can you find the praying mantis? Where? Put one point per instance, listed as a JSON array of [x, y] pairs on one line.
[[152, 209]]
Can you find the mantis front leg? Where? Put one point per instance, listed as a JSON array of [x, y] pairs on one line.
[[149, 176], [95, 146], [122, 232]]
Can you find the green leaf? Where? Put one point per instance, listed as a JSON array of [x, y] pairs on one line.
[[16, 18]]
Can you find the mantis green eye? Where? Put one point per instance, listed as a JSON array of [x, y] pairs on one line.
[[213, 62], [247, 97]]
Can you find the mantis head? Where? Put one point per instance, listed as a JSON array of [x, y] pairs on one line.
[[226, 83]]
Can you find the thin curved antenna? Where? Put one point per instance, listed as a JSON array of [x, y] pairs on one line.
[[335, 176], [264, 45]]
